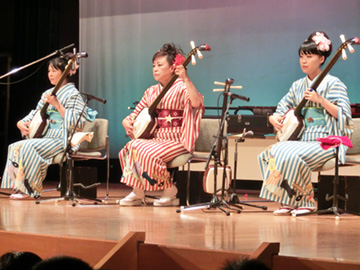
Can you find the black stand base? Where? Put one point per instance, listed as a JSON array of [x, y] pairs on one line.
[[334, 209], [234, 200], [4, 193], [69, 194], [214, 203], [71, 197]]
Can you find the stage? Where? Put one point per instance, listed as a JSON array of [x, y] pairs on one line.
[[320, 237]]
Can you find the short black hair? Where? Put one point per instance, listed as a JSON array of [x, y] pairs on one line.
[[18, 260], [170, 50], [62, 262], [61, 62], [245, 264]]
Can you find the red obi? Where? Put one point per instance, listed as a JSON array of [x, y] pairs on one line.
[[169, 118]]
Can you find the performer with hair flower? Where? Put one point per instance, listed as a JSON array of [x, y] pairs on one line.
[[143, 161], [286, 166]]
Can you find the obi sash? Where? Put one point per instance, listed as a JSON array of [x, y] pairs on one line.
[[169, 118]]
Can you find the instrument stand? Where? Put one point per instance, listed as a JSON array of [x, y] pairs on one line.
[[234, 198], [334, 209], [215, 202], [70, 194]]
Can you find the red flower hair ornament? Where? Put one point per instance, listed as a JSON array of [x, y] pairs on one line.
[[179, 59]]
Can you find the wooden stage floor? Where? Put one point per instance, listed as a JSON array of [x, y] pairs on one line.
[[308, 237]]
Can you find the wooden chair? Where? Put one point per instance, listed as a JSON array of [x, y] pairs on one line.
[[97, 149]]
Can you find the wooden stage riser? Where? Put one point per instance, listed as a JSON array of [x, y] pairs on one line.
[[132, 253]]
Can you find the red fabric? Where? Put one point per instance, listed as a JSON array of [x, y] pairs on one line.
[[334, 141], [169, 118]]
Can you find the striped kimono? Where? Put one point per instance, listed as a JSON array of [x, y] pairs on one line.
[[143, 161], [286, 166], [28, 160]]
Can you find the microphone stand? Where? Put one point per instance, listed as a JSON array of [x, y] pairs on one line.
[[234, 198], [70, 194], [36, 61], [215, 202]]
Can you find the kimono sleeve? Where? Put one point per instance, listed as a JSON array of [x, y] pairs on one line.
[[190, 128]]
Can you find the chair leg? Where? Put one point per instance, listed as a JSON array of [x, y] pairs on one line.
[[173, 172], [107, 177], [107, 167], [188, 185]]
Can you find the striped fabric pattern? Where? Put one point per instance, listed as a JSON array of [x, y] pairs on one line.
[[143, 162], [286, 166], [30, 159]]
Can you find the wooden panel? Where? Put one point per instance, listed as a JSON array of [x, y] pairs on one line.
[[125, 253], [266, 252], [164, 258], [293, 263], [89, 250]]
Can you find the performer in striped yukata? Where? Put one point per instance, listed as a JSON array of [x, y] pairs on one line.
[[286, 166], [29, 159], [143, 161]]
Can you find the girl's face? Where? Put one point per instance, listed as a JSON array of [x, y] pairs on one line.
[[310, 64], [162, 71], [54, 74]]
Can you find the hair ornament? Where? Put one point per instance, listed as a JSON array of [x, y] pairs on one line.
[[73, 69], [322, 43], [179, 59]]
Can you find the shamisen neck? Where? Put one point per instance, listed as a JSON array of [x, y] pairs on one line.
[[63, 86]]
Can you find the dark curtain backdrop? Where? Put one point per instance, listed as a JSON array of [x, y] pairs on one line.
[[32, 30]]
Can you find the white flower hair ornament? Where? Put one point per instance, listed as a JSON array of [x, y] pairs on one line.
[[322, 43]]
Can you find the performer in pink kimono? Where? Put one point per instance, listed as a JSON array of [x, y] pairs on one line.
[[143, 161]]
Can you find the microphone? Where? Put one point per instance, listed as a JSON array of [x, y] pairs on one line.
[[90, 97], [249, 133], [82, 55], [235, 96]]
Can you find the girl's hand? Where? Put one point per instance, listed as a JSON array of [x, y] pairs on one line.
[[313, 96], [24, 127], [276, 121], [51, 99], [129, 126]]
